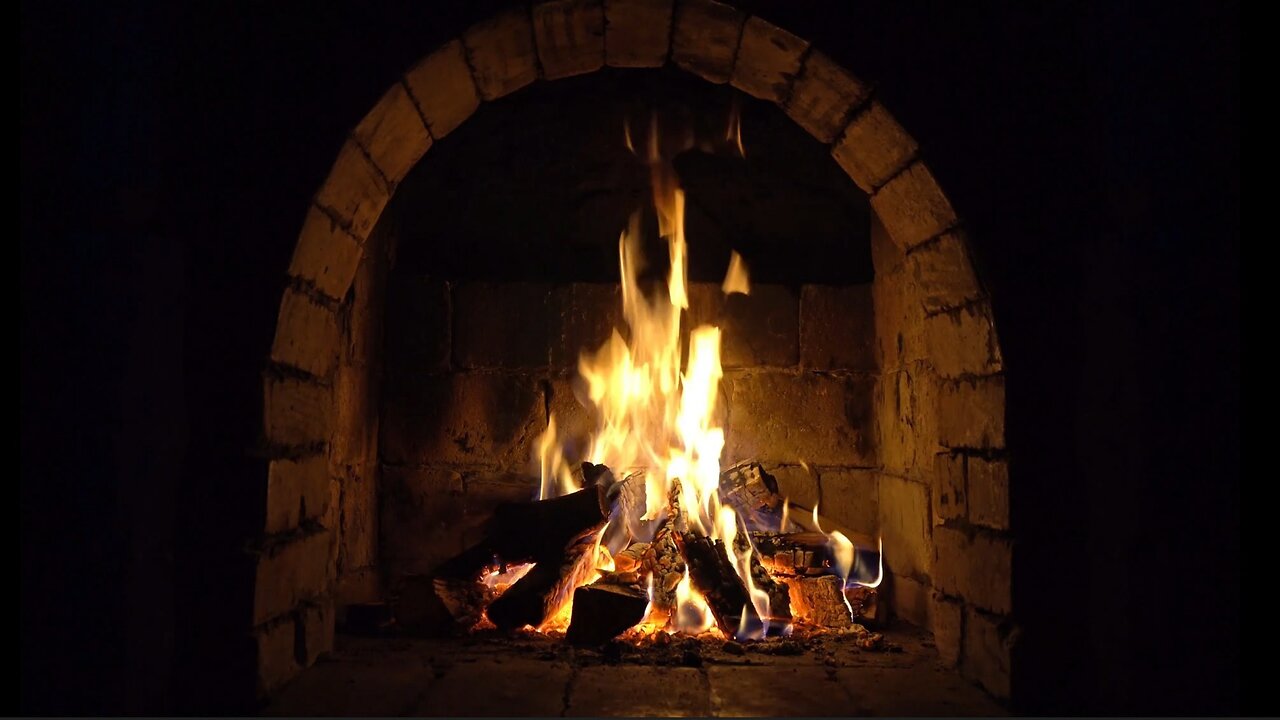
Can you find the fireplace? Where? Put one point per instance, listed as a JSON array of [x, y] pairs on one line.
[[463, 254]]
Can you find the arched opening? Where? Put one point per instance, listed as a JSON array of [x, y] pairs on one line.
[[908, 362]]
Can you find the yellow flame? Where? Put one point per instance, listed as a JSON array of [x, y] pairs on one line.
[[557, 478], [692, 613], [736, 280]]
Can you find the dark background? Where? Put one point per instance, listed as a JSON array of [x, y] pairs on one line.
[[168, 153]]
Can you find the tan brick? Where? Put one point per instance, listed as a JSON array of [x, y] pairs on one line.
[[963, 341], [851, 498], [354, 190], [637, 32], [971, 413], [277, 659], [296, 571], [586, 315], [906, 419], [768, 60], [317, 620], [358, 586], [909, 599], [422, 510], [501, 325], [837, 328], [989, 644], [989, 492], [823, 96], [973, 565], [570, 36], [757, 330], [948, 628], [874, 148], [393, 134], [306, 335], [443, 86], [912, 207], [296, 412], [358, 546], [297, 490], [502, 53], [354, 439], [904, 526], [326, 255], [705, 39], [950, 498], [797, 484], [775, 417], [942, 273], [465, 419]]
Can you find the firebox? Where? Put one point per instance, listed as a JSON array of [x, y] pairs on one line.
[[678, 360]]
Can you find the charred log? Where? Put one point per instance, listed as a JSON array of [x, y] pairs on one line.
[[819, 601], [713, 575], [545, 589], [602, 611], [751, 491], [662, 559]]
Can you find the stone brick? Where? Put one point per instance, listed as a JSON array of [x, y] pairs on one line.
[[421, 511], [942, 274], [326, 255], [950, 498], [904, 526], [502, 53], [358, 547], [757, 330], [776, 417], [823, 96], [570, 36], [971, 413], [465, 419], [989, 492], [393, 134], [775, 690], [358, 586], [444, 89], [297, 490], [948, 628], [657, 692], [963, 341], [837, 328], [419, 315], [637, 32], [705, 39], [527, 686], [797, 484], [501, 325], [354, 190], [576, 420], [909, 599], [306, 335], [277, 659], [296, 571], [874, 148], [296, 412], [899, 321], [586, 315], [768, 60], [354, 439], [913, 207], [317, 625], [906, 421], [851, 498], [974, 565], [989, 643]]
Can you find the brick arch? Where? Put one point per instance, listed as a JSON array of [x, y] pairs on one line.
[[940, 360]]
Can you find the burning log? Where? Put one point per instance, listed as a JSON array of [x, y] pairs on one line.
[[531, 532], [809, 553], [662, 559], [545, 589], [865, 602], [779, 596], [751, 491], [819, 601], [603, 610], [713, 575], [435, 606], [631, 557]]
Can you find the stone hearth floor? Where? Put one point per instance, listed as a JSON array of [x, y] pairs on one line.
[[535, 676]]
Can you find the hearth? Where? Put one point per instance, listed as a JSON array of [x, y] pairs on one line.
[[684, 349]]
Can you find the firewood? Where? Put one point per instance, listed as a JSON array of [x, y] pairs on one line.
[[713, 575], [810, 553], [602, 611], [819, 601], [866, 604], [433, 606], [752, 492], [541, 593], [630, 558], [662, 560], [762, 579], [530, 532]]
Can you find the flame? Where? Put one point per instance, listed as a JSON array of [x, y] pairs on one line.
[[692, 613], [733, 130], [557, 478], [735, 280]]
